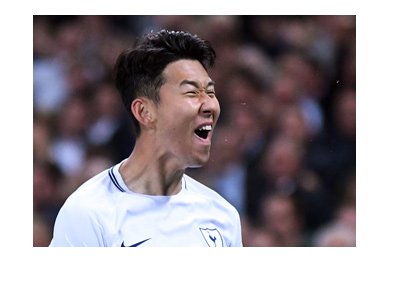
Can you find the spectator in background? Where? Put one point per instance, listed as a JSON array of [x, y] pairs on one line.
[[110, 127], [341, 230], [42, 230], [290, 122], [249, 107], [230, 178], [282, 215], [261, 236], [42, 138], [47, 68], [332, 154], [335, 235], [47, 178], [287, 92], [69, 143], [308, 87], [281, 170]]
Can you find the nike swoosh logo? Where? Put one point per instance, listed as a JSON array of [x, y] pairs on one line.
[[134, 245]]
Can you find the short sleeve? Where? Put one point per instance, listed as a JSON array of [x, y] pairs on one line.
[[237, 236], [236, 230], [77, 225]]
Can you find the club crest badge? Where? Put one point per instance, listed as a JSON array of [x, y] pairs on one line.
[[212, 237]]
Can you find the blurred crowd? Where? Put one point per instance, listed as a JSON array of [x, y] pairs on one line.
[[284, 150]]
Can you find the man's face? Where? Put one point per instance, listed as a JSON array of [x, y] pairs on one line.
[[187, 113]]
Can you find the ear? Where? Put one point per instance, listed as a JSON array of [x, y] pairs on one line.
[[144, 111]]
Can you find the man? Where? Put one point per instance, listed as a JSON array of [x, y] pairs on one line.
[[147, 200]]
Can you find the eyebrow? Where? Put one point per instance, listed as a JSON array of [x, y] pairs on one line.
[[195, 83]]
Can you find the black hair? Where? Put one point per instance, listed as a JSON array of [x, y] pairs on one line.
[[138, 70]]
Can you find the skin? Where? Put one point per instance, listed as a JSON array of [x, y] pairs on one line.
[[167, 144]]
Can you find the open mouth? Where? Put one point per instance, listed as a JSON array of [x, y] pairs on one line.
[[203, 131]]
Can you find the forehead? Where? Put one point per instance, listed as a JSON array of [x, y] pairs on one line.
[[192, 70]]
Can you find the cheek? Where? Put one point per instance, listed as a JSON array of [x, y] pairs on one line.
[[217, 109], [175, 124]]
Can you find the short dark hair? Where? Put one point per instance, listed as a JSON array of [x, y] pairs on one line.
[[138, 70]]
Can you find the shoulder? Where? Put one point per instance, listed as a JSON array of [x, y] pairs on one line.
[[208, 194], [86, 215], [95, 194], [201, 189]]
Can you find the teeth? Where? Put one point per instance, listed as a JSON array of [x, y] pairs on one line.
[[206, 127]]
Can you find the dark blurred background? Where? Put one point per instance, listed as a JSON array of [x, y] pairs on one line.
[[284, 151]]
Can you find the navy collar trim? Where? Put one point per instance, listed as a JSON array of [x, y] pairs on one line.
[[114, 180]]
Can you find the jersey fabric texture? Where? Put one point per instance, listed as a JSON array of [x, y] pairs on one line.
[[104, 212]]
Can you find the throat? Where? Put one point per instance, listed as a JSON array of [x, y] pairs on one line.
[[168, 176], [162, 185], [158, 176]]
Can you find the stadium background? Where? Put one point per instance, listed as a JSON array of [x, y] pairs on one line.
[[284, 150]]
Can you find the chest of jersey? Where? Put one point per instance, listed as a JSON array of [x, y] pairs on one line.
[[169, 221]]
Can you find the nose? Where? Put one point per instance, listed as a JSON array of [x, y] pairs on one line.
[[210, 107]]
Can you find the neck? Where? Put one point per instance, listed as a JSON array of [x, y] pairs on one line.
[[149, 170]]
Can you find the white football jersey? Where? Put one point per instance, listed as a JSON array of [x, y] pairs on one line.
[[104, 212]]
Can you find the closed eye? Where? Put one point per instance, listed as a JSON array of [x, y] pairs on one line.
[[191, 93], [211, 93]]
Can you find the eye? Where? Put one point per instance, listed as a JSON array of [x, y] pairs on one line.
[[211, 93], [191, 93]]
